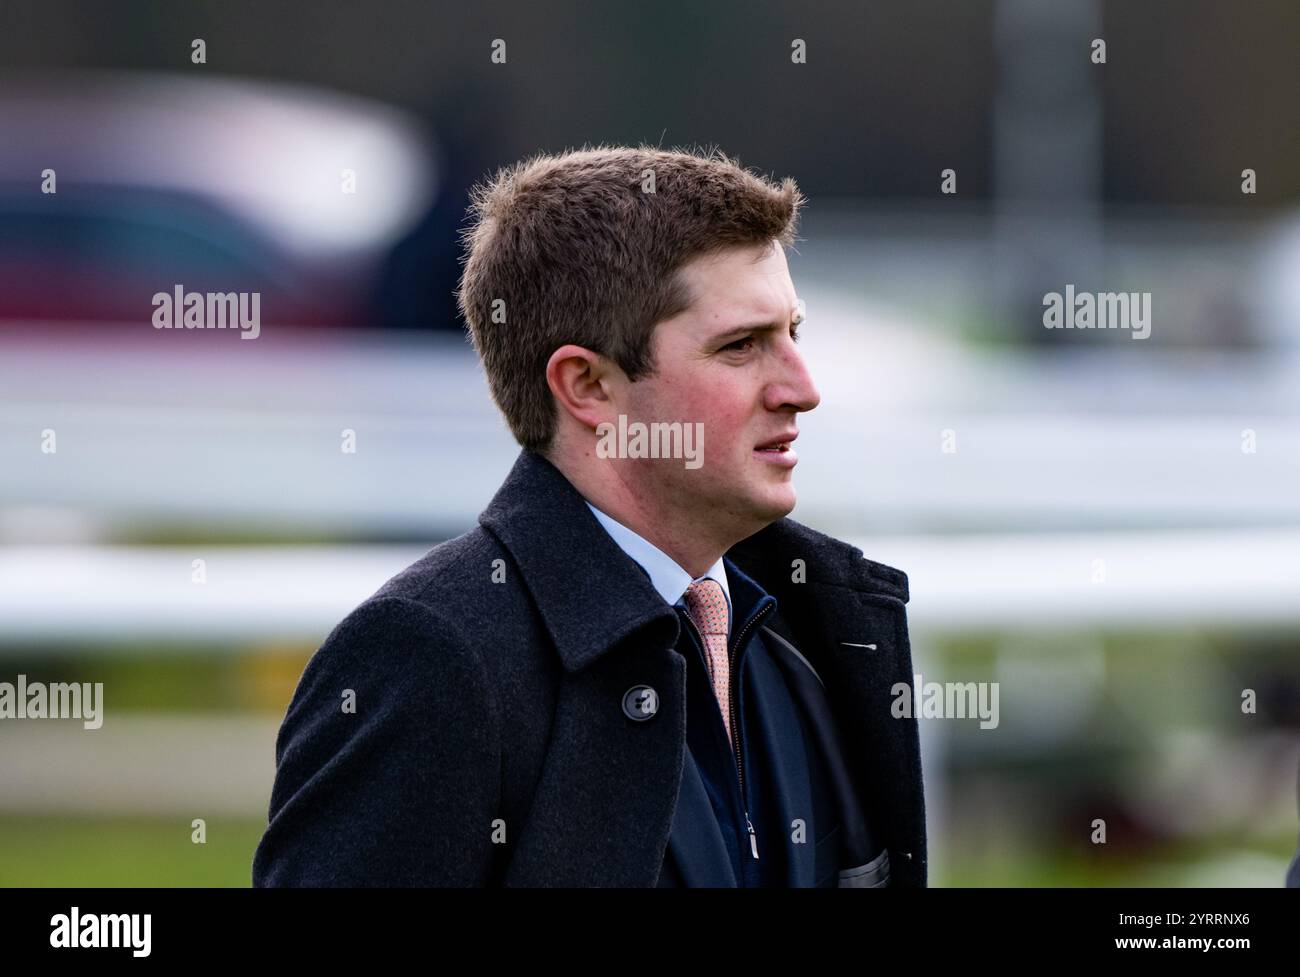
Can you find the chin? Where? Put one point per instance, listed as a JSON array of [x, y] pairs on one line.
[[775, 503]]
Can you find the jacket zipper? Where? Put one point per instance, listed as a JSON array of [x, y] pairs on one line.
[[731, 704]]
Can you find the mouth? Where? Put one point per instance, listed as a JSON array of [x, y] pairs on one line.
[[779, 450], [781, 442]]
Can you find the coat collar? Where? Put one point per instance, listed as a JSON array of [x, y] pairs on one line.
[[592, 597]]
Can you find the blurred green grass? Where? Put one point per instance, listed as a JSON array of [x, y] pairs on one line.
[[1211, 861], [101, 852], [128, 852]]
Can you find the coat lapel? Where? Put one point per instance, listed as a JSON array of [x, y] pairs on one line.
[[605, 801], [589, 594]]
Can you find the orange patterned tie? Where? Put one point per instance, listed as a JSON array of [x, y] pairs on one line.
[[707, 605]]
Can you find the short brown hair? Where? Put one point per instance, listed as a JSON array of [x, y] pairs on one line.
[[572, 248]]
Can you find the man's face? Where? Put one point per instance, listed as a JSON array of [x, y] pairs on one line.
[[730, 362]]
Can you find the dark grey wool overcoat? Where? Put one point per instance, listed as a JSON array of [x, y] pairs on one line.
[[488, 742]]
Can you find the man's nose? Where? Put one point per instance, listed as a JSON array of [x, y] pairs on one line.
[[793, 387]]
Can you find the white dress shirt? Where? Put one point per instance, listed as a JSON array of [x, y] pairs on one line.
[[667, 577]]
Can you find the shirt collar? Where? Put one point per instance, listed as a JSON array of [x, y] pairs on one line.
[[667, 577]]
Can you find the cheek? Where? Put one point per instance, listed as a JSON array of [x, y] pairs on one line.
[[721, 400], [727, 414], [722, 403]]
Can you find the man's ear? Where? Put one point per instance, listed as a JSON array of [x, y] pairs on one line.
[[582, 382]]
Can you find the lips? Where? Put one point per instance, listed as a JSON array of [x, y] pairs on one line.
[[778, 444]]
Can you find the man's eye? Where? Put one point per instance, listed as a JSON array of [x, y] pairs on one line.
[[794, 333], [739, 343]]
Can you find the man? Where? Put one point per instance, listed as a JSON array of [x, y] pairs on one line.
[[635, 671]]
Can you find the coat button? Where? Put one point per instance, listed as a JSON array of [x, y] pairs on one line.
[[640, 703]]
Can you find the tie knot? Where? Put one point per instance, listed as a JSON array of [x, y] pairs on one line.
[[707, 605]]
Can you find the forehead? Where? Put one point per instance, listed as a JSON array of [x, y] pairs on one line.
[[740, 282]]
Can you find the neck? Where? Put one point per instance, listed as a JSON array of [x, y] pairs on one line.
[[693, 544]]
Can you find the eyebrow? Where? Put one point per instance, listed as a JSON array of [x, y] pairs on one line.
[[736, 332]]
